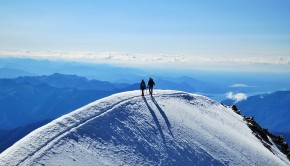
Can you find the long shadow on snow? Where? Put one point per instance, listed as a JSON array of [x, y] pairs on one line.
[[155, 120], [180, 153], [163, 115], [120, 128]]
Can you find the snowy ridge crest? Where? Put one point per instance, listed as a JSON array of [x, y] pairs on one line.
[[170, 128]]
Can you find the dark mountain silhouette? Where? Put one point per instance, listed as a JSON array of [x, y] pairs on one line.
[[286, 135]]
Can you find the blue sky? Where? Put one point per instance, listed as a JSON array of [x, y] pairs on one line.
[[224, 28]]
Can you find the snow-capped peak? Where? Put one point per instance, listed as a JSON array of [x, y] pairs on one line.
[[170, 128]]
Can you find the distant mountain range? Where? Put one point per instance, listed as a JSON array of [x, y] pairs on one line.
[[206, 83], [31, 99]]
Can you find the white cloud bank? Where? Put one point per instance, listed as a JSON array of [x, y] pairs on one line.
[[177, 61], [240, 85], [237, 97]]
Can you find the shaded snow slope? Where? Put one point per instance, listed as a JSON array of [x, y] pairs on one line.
[[170, 128]]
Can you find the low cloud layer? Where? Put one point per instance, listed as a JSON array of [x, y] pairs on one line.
[[146, 57], [178, 61], [237, 97], [240, 85]]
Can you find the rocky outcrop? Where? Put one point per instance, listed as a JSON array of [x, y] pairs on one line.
[[266, 137]]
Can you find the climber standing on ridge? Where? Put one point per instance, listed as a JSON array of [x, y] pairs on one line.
[[151, 83], [142, 86]]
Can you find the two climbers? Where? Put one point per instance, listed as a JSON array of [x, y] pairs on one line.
[[150, 84]]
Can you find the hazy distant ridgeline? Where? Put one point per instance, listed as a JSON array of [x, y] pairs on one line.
[[15, 67], [207, 81], [71, 81]]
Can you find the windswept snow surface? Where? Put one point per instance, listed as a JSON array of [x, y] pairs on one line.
[[170, 128]]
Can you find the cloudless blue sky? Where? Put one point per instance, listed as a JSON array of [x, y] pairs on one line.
[[205, 27]]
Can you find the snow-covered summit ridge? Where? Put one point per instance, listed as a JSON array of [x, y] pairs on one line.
[[170, 128]]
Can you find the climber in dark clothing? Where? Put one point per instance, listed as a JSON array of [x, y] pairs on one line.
[[142, 86], [151, 83]]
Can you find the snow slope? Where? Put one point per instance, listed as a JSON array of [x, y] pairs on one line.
[[170, 128]]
